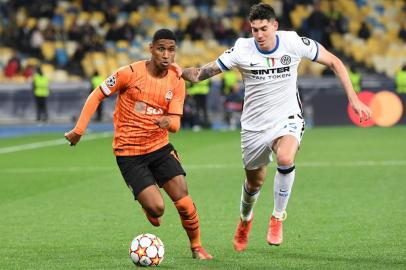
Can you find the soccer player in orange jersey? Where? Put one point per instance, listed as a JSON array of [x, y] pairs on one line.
[[150, 96]]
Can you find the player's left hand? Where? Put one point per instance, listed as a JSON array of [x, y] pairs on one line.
[[164, 122], [72, 137], [362, 110], [175, 67]]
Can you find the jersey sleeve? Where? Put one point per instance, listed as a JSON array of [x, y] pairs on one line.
[[178, 98], [229, 58], [306, 47], [117, 81]]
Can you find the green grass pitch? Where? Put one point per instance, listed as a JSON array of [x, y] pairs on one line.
[[68, 208]]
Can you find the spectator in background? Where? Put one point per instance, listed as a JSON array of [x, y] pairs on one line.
[[188, 119], [13, 66], [230, 79], [402, 32], [36, 41], [400, 80], [40, 85], [355, 78], [233, 106], [28, 71], [364, 32], [199, 92], [317, 22]]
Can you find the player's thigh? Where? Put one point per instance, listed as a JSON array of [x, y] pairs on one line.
[[169, 173], [288, 135], [136, 174], [255, 148], [285, 149]]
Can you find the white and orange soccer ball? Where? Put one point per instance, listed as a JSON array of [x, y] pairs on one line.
[[147, 250]]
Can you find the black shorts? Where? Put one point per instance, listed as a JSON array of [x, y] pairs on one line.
[[157, 167]]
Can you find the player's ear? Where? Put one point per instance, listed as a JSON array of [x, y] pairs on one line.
[[275, 24], [151, 46]]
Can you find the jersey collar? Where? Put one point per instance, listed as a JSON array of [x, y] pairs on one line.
[[268, 52]]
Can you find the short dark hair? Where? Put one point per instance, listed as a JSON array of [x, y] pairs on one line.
[[163, 34], [261, 11]]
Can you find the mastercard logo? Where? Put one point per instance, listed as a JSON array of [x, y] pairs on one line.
[[387, 109]]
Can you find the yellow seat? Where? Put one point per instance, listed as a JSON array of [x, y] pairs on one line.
[[48, 70], [122, 45], [48, 50]]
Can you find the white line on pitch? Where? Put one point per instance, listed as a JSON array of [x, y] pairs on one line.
[[29, 146], [365, 163]]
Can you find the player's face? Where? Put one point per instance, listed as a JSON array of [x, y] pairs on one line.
[[264, 33], [163, 53]]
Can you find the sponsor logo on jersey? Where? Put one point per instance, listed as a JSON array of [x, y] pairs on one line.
[[154, 111], [143, 108], [270, 71], [285, 60], [111, 81], [168, 95], [306, 41]]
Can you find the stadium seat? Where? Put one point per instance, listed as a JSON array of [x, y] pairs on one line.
[[48, 50], [122, 45], [48, 70]]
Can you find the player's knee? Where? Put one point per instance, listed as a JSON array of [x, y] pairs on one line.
[[285, 160], [254, 186], [156, 210]]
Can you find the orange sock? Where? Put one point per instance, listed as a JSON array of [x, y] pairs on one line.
[[190, 219]]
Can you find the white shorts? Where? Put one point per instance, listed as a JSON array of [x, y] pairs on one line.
[[256, 146]]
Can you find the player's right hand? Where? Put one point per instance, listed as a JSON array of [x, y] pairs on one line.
[[72, 137]]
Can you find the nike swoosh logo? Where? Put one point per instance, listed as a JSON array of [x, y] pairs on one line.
[[253, 64], [283, 190]]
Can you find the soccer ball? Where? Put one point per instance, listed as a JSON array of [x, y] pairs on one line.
[[147, 250]]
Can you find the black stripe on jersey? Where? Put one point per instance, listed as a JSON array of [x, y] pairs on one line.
[[298, 101], [103, 92], [222, 64], [317, 52], [131, 68], [303, 128]]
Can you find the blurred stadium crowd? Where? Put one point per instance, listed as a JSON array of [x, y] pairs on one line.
[[71, 40]]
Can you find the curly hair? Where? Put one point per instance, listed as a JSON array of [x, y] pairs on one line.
[[261, 11]]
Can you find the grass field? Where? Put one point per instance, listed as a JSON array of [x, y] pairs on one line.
[[68, 207]]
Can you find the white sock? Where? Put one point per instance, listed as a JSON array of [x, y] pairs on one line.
[[284, 177], [248, 201]]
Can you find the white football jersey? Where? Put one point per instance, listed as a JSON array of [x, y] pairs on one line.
[[270, 77]]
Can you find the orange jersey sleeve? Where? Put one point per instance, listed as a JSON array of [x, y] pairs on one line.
[[88, 110], [117, 81], [176, 104]]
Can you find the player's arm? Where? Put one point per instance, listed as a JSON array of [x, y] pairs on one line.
[[170, 122], [88, 110], [334, 63], [195, 75]]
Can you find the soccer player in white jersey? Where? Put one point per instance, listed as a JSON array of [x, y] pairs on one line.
[[272, 118]]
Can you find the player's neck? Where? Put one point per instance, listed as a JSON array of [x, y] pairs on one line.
[[270, 45], [154, 71]]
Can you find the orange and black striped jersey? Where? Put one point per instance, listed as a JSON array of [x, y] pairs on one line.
[[141, 100]]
